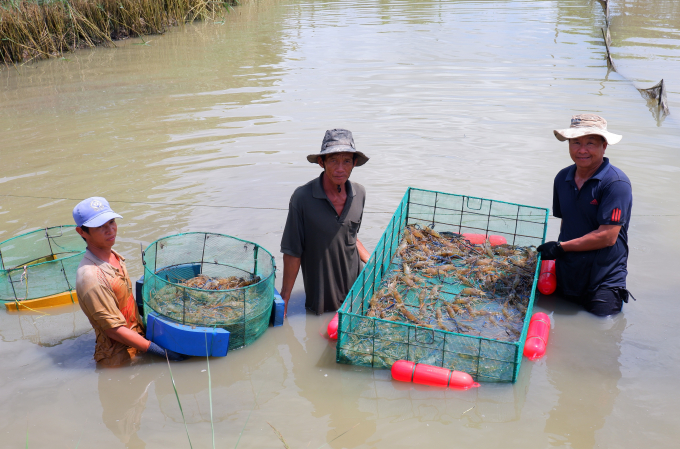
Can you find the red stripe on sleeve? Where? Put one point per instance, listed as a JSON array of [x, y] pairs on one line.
[[614, 215], [618, 215]]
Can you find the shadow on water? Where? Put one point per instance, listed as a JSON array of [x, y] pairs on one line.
[[584, 348], [123, 393]]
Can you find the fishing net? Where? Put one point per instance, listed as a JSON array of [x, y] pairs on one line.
[[490, 290], [186, 279], [40, 263], [656, 99], [655, 95]]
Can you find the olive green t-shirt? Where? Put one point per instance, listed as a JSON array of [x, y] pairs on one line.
[[326, 242]]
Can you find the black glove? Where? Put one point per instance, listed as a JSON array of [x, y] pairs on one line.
[[550, 250], [172, 355]]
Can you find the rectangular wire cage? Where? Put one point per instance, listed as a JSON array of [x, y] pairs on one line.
[[372, 341]]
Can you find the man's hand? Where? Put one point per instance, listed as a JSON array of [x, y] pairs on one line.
[[364, 255], [602, 237], [160, 351], [550, 250], [128, 337]]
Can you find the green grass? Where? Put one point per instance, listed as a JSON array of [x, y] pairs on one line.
[[207, 360], [174, 387]]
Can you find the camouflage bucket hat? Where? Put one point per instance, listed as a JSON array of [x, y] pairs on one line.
[[584, 125], [338, 141]]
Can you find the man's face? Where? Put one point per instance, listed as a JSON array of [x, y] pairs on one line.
[[587, 152], [338, 167], [102, 237]]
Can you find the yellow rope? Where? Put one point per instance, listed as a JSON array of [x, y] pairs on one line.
[[24, 276]]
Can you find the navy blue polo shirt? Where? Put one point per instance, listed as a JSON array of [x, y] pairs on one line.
[[605, 199]]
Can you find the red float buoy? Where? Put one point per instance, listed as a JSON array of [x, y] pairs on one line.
[[479, 239], [333, 328], [420, 373], [547, 280], [537, 336]]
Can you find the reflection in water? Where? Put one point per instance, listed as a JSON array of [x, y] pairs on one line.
[[583, 365], [123, 393], [400, 401], [50, 328], [342, 415]]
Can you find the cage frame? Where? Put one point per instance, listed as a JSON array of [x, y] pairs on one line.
[[150, 275], [372, 275], [7, 272]]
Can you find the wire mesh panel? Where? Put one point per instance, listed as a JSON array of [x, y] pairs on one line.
[[40, 263], [211, 280], [364, 339]]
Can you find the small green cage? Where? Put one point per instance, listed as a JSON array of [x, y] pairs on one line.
[[245, 312], [364, 340], [40, 263]]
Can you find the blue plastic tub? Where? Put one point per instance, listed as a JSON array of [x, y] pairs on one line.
[[187, 340]]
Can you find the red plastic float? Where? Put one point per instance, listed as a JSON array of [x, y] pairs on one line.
[[333, 328], [547, 280], [435, 376], [479, 239], [537, 336]]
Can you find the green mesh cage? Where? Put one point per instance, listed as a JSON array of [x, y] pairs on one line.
[[372, 341], [244, 312], [40, 263]]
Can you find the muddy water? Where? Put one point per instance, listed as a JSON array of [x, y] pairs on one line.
[[207, 129]]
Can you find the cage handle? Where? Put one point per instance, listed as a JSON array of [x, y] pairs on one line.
[[474, 208], [424, 342], [61, 232]]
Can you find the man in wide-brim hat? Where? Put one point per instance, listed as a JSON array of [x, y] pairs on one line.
[[324, 217], [594, 200]]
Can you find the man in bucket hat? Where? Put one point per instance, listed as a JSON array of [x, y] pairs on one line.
[[104, 289], [594, 200], [324, 217]]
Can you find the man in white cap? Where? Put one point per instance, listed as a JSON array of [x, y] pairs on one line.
[[324, 217], [594, 200], [104, 289]]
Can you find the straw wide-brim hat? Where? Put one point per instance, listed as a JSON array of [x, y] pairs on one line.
[[587, 124], [338, 141]]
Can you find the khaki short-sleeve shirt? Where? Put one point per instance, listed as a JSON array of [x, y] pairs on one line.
[[105, 296]]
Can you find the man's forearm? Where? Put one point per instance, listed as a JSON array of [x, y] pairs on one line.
[[291, 266], [602, 237], [364, 255], [128, 337]]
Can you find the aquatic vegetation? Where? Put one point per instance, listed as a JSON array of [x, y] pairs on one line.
[[174, 387], [207, 361], [37, 29]]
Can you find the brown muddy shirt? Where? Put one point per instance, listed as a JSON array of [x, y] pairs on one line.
[[326, 242], [105, 295]]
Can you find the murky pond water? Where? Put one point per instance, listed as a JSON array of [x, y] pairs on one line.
[[207, 128]]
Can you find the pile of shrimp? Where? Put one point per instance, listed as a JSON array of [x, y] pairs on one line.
[[209, 301], [442, 281], [207, 283]]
